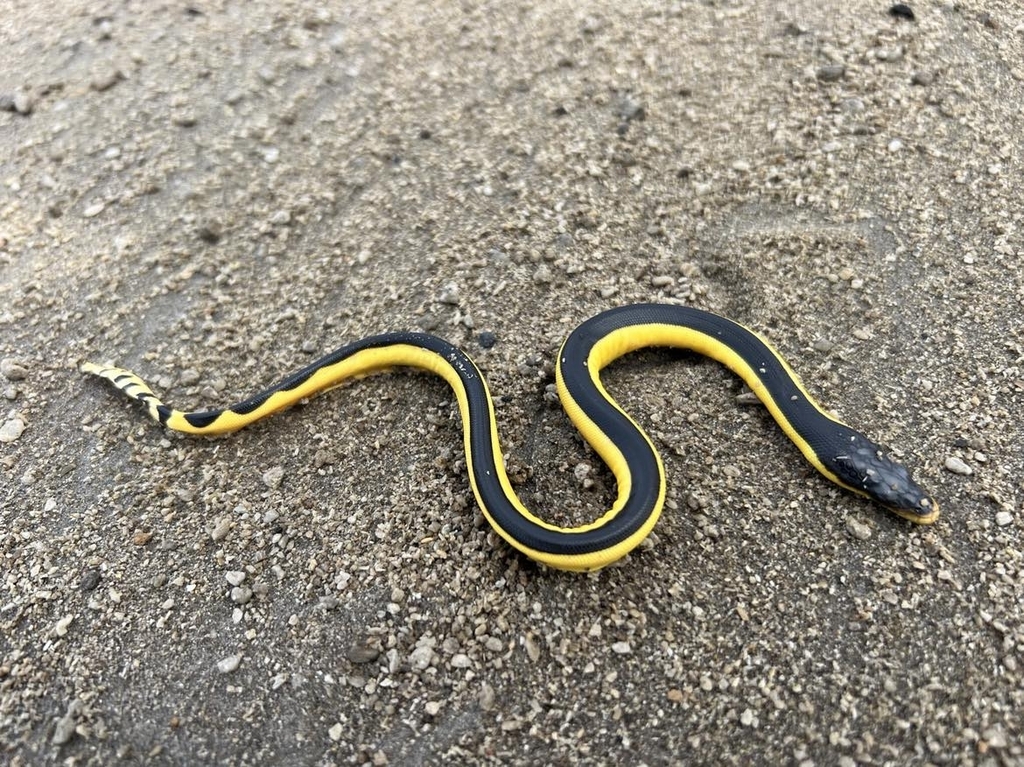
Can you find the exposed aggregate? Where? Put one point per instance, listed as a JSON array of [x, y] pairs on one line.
[[214, 193]]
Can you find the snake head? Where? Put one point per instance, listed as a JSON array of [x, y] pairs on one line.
[[865, 468]]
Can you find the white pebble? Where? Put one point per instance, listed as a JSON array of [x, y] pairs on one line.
[[12, 370], [241, 595], [61, 629], [957, 466], [234, 577], [420, 658], [12, 429], [221, 530], [622, 648], [1004, 518], [272, 477], [486, 698], [461, 660], [65, 726], [995, 737], [229, 664], [858, 529], [336, 731]]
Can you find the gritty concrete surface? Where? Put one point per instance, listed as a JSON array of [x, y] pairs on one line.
[[214, 192]]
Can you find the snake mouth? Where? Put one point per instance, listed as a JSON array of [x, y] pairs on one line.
[[926, 512]]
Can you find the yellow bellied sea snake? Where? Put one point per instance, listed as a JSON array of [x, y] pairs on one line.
[[841, 453]]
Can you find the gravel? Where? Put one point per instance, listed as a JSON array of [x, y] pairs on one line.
[[213, 198]]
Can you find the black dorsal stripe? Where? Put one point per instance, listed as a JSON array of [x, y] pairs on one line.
[[203, 419]]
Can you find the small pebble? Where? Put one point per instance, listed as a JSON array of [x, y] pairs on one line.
[[220, 531], [12, 370], [94, 210], [61, 628], [532, 648], [90, 580], [420, 657], [901, 11], [106, 80], [65, 726], [957, 466], [486, 698], [229, 664], [12, 429], [362, 651], [211, 232], [831, 73], [449, 294], [23, 103], [630, 110], [622, 648], [272, 477], [1004, 518], [461, 660], [543, 275], [487, 339], [241, 595], [336, 731], [234, 577], [858, 529], [432, 708], [895, 145], [995, 737]]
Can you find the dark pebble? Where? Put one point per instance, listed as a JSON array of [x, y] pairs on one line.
[[211, 232], [831, 73], [901, 11], [630, 110], [89, 581], [487, 339], [989, 20], [362, 652]]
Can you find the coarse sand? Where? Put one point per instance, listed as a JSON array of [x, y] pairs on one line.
[[214, 193]]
